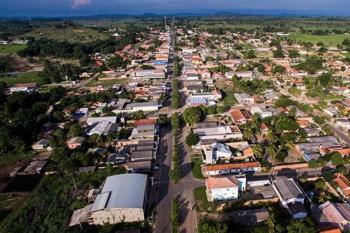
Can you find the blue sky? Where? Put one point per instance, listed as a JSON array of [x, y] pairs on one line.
[[92, 7]]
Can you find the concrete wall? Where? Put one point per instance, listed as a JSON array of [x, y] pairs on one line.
[[113, 216]]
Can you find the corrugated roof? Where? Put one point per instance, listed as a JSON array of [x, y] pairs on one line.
[[127, 190], [100, 201], [288, 189]]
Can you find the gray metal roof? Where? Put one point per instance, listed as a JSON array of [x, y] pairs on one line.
[[288, 189], [125, 191]]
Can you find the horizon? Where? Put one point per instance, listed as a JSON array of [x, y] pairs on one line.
[[83, 8]]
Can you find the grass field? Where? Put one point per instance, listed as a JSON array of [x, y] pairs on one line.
[[202, 202], [106, 83], [196, 168], [28, 77], [12, 48], [69, 34], [329, 40]]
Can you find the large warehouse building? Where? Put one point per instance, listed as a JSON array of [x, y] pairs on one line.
[[122, 199]]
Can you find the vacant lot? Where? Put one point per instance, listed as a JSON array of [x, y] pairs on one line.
[[329, 40], [27, 77], [69, 34], [11, 49]]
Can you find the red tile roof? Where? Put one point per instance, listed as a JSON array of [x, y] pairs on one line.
[[343, 183], [221, 182], [237, 115], [145, 122]]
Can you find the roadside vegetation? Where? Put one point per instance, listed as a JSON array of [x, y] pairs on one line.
[[176, 172]]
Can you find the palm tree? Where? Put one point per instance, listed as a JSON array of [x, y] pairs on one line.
[[258, 150], [271, 152], [296, 226], [247, 133], [270, 137]]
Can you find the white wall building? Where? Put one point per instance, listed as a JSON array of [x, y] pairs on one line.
[[221, 188]]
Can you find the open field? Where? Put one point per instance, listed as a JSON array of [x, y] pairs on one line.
[[10, 49], [69, 34], [28, 77], [329, 40]]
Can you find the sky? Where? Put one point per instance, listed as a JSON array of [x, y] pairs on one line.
[[54, 8]]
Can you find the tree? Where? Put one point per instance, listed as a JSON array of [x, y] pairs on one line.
[[175, 210], [192, 139], [325, 79], [278, 53], [207, 226], [193, 115], [294, 53], [139, 115], [175, 121], [301, 226], [117, 63], [75, 130], [337, 159], [320, 184], [248, 133], [271, 152], [258, 150], [250, 54], [312, 64], [278, 69]]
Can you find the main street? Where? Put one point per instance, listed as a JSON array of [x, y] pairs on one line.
[[167, 191]]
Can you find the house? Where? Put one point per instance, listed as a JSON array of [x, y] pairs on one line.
[[219, 133], [231, 168], [102, 128], [222, 188], [210, 97], [42, 144], [331, 111], [94, 120], [122, 199], [81, 113], [244, 99], [291, 196], [343, 123], [336, 215], [343, 184], [262, 111], [238, 117], [75, 142], [311, 149], [23, 87], [144, 167], [244, 74], [216, 152], [35, 167], [149, 74], [144, 132], [142, 106]]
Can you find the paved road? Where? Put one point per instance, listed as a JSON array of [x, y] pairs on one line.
[[167, 190], [162, 184]]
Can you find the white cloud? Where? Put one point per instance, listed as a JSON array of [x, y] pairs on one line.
[[79, 3]]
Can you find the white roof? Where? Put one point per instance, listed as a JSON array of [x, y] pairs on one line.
[[94, 120], [122, 191]]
